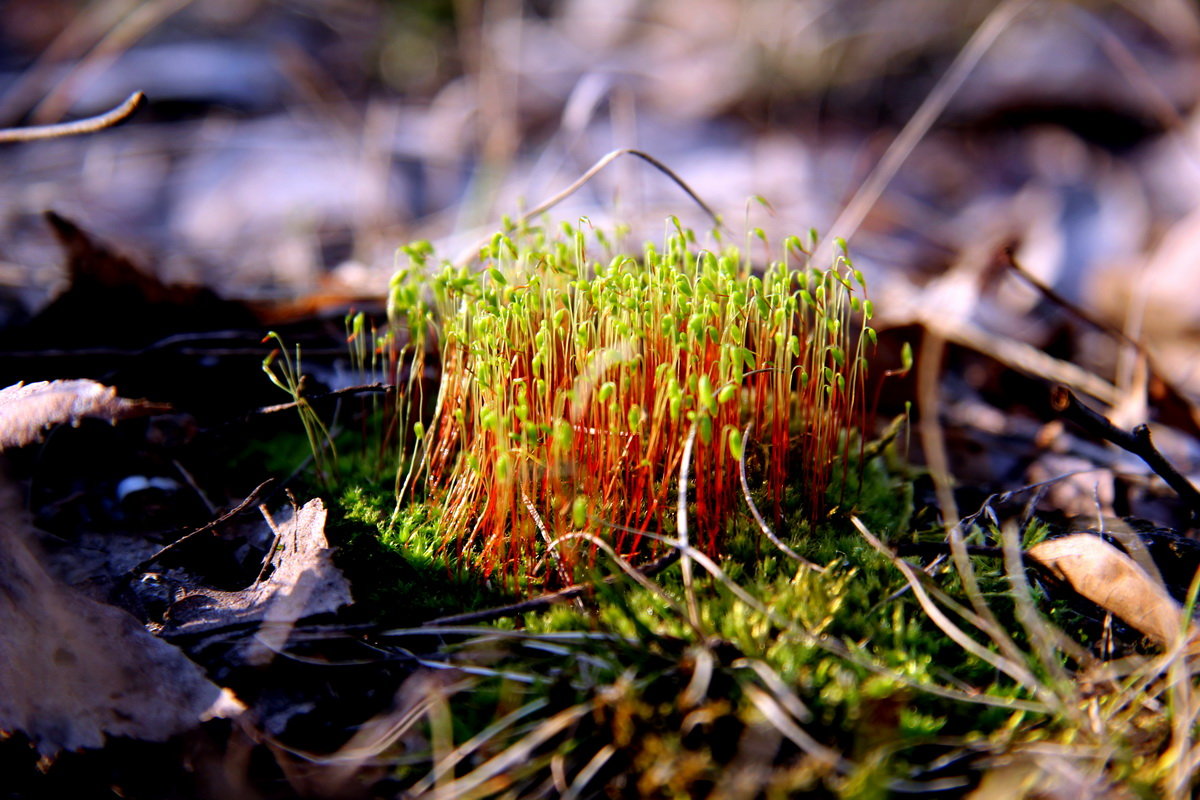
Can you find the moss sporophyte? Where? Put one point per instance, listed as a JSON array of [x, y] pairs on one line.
[[572, 374]]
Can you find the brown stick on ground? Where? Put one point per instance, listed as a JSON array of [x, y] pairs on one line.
[[230, 514], [542, 601], [1136, 441]]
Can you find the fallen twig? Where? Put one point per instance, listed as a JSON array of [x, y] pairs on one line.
[[1168, 386], [1137, 441], [1009, 259], [233, 512], [543, 601], [365, 388]]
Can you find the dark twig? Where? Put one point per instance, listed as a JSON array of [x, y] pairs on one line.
[[363, 389], [543, 601], [1062, 302], [1189, 410], [931, 549], [79, 126], [1137, 441], [239, 508]]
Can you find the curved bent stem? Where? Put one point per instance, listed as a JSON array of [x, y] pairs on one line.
[[80, 126]]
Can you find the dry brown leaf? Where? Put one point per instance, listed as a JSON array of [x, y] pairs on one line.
[[73, 671], [28, 409], [1101, 573], [1044, 776], [304, 581]]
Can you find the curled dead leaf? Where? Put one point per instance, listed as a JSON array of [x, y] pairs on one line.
[[26, 410], [303, 582], [76, 671], [1103, 574]]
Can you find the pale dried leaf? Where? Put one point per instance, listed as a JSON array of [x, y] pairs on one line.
[[28, 409], [1044, 776], [304, 581], [75, 671], [1101, 573]]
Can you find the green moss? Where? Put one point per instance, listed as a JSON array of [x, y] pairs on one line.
[[833, 680], [398, 569]]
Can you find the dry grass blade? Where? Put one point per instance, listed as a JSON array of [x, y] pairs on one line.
[[834, 646], [1015, 670], [543, 601], [783, 693], [583, 180], [681, 525], [1047, 640], [142, 18], [638, 576], [451, 759], [108, 119], [702, 672], [28, 409], [1044, 635], [928, 112], [476, 783], [563, 572], [775, 714], [589, 771], [342, 769], [758, 517], [933, 440]]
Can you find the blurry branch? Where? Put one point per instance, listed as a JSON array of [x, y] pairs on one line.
[[1168, 385], [926, 307], [1158, 104], [80, 126], [1136, 441], [138, 20], [930, 109], [1010, 259]]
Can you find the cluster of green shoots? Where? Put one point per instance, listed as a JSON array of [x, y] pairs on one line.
[[558, 398], [573, 375]]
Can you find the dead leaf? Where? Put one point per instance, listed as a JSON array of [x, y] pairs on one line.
[[75, 671], [304, 582], [28, 409], [1043, 776], [114, 302], [1101, 573]]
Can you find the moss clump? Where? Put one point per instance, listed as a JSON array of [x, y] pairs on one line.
[[398, 569], [574, 374], [568, 391]]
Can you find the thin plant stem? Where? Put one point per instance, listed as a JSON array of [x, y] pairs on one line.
[[99, 122], [848, 222]]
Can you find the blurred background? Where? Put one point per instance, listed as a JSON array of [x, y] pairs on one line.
[[288, 148]]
